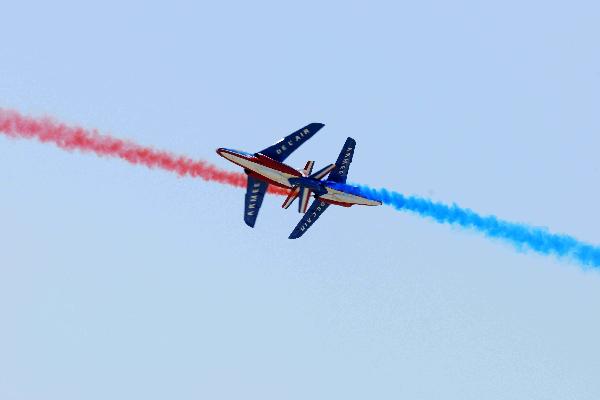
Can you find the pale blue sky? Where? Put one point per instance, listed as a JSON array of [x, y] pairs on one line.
[[119, 282]]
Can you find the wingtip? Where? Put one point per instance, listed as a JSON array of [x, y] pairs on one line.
[[316, 125], [295, 234]]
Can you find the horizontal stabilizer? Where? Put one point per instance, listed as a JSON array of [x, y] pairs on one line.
[[294, 193], [320, 174], [308, 168]]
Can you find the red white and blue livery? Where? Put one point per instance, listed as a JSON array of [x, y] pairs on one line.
[[267, 168]]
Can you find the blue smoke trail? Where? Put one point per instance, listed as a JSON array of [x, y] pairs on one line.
[[521, 236]]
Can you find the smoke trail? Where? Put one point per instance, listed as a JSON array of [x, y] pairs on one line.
[[46, 130], [519, 235]]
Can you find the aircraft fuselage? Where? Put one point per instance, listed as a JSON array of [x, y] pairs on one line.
[[279, 174]]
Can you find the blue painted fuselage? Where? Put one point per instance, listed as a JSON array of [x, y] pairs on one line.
[[315, 185]]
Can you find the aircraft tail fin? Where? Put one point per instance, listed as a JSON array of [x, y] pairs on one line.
[[304, 199]]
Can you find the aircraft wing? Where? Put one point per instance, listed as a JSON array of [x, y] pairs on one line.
[[317, 208], [255, 193], [286, 146], [342, 165]]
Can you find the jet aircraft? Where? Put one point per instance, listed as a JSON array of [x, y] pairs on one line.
[[267, 168]]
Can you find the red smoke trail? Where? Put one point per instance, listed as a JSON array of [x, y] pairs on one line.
[[46, 130]]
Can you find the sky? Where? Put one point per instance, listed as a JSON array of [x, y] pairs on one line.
[[123, 282]]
